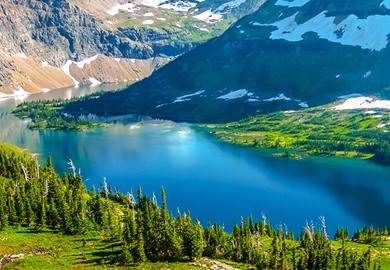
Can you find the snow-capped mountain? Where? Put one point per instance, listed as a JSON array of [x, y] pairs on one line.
[[287, 55]]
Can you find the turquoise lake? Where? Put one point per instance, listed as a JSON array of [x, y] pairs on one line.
[[217, 182]]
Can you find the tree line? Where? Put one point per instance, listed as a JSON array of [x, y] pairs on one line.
[[34, 195]]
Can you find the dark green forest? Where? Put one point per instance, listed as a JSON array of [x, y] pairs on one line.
[[35, 196]]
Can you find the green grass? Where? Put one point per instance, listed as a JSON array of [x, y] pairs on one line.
[[51, 250], [317, 131], [46, 249]]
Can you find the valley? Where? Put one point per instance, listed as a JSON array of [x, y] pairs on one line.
[[214, 134]]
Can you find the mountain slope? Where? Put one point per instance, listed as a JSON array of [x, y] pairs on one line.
[[287, 55], [53, 44]]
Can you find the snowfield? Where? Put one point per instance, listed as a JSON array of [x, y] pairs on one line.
[[66, 68], [87, 61], [294, 3], [129, 7], [235, 94], [370, 33], [209, 17], [187, 97], [94, 81], [229, 5], [386, 4], [281, 96], [363, 103], [179, 6]]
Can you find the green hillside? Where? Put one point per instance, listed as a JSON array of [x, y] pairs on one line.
[[52, 222], [316, 131]]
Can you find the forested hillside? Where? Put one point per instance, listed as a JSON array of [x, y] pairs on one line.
[[323, 130], [34, 196]]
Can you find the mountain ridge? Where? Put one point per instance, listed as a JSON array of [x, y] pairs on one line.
[[278, 55], [39, 38]]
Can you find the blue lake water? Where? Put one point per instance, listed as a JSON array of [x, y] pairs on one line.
[[217, 182]]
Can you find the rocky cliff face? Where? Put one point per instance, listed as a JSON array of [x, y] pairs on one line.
[[288, 55], [46, 44], [38, 37]]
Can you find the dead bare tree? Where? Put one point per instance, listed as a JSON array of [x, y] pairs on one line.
[[323, 225], [37, 168], [24, 172], [132, 202], [72, 167], [105, 185]]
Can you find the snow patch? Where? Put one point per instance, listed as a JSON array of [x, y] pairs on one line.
[[303, 104], [19, 92], [187, 97], [21, 55], [87, 61], [209, 17], [386, 3], [161, 19], [281, 96], [45, 90], [65, 68], [94, 81], [45, 64], [149, 14], [148, 22], [229, 5], [152, 3], [161, 105], [129, 7], [367, 74], [202, 29], [292, 3], [234, 94], [363, 103], [371, 112], [253, 99], [117, 59], [166, 56], [351, 31], [289, 111], [179, 6], [354, 95]]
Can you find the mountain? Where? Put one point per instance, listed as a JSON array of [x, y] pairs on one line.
[[287, 55], [47, 44]]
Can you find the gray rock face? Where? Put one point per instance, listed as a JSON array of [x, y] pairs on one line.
[[50, 32], [56, 31]]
